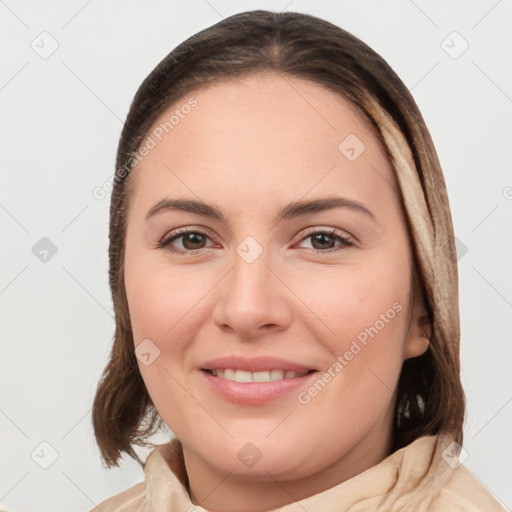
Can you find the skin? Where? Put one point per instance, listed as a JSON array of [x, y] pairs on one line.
[[251, 147]]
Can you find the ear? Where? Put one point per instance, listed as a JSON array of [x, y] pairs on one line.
[[420, 331]]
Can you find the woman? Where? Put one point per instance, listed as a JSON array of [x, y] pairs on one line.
[[284, 276]]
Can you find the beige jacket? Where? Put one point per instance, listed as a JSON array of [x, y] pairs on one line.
[[422, 477]]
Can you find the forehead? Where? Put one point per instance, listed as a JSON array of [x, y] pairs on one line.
[[264, 136]]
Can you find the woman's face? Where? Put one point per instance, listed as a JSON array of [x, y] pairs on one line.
[[283, 267]]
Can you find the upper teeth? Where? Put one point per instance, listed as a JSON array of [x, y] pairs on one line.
[[264, 376]]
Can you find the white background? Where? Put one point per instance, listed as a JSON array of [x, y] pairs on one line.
[[61, 118]]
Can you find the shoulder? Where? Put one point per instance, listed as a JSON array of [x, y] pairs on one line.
[[164, 484], [130, 500], [439, 481], [465, 492]]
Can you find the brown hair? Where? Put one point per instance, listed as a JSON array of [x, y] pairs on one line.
[[430, 398]]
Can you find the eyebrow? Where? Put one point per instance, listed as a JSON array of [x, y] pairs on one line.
[[290, 211]]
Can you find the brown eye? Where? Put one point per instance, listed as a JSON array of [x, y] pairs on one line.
[[191, 241], [325, 241]]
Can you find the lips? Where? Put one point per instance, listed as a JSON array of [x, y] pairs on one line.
[[254, 381], [255, 364]]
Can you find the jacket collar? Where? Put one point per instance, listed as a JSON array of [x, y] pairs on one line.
[[410, 476]]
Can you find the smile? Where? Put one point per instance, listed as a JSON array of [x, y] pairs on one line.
[[258, 376], [256, 388]]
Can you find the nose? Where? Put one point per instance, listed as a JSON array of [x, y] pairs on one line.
[[252, 301]]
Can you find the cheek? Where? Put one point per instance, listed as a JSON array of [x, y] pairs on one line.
[[367, 314], [360, 314], [162, 305], [161, 300], [348, 299]]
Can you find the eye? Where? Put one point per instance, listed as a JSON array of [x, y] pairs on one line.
[[324, 240], [193, 240]]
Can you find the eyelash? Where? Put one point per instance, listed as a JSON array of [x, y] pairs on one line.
[[164, 243]]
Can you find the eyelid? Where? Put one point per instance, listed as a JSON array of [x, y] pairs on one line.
[[328, 230]]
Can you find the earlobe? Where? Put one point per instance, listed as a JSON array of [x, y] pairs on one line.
[[419, 343]]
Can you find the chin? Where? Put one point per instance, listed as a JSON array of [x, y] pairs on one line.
[[258, 456]]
